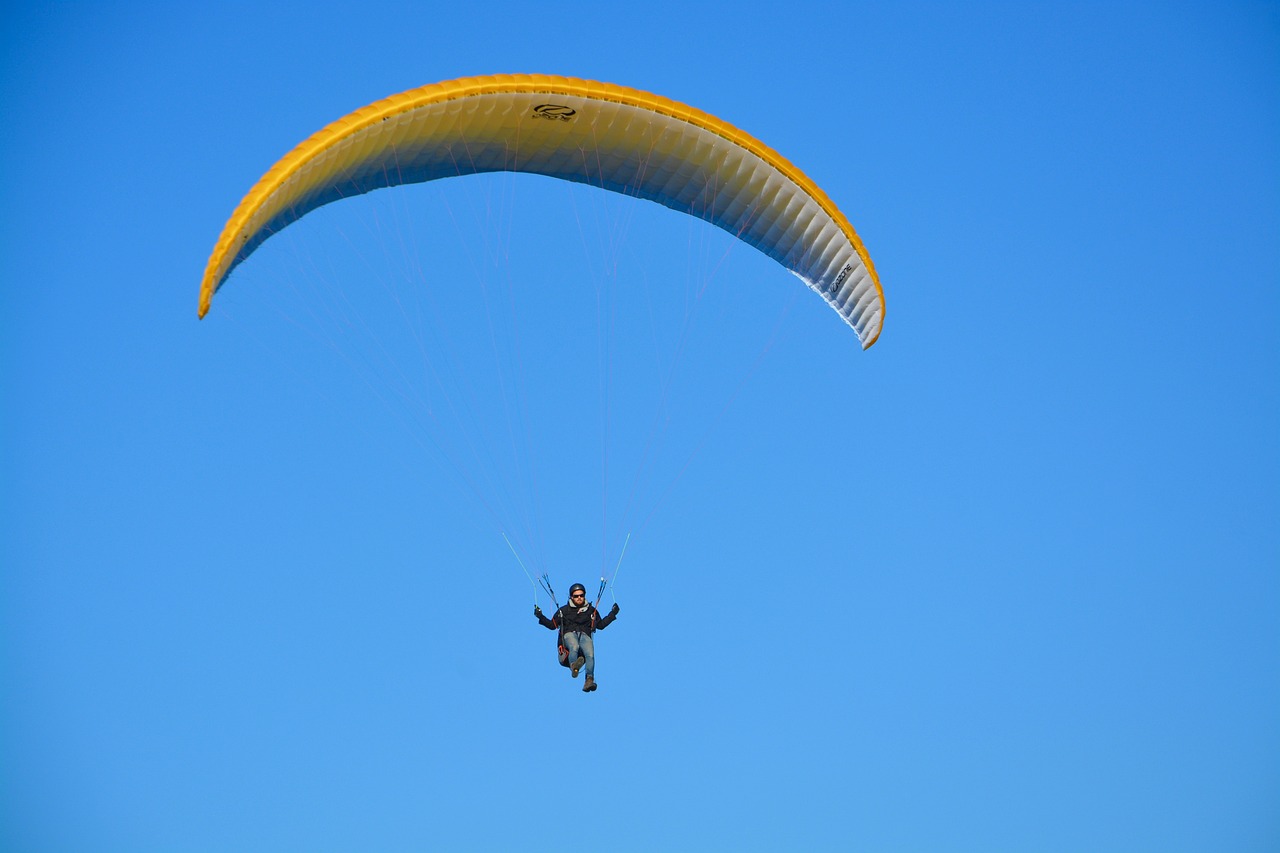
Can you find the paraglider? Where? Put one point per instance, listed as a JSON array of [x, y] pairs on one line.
[[615, 138], [576, 622]]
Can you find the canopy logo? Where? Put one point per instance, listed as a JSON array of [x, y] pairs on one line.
[[555, 112], [848, 268]]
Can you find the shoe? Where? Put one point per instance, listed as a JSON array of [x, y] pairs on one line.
[[590, 685], [575, 666]]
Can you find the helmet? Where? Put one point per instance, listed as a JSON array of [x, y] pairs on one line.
[[577, 587]]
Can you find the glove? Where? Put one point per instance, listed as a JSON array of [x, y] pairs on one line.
[[537, 611], [613, 611]]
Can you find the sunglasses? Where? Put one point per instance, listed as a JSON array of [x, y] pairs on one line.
[[579, 595]]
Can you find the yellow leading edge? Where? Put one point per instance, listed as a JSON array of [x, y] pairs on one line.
[[619, 139]]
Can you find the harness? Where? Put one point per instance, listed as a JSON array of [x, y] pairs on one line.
[[545, 582], [561, 652]]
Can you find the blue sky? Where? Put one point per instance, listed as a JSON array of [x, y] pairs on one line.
[[1008, 581]]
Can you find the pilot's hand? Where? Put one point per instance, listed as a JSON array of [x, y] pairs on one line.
[[537, 611], [613, 611]]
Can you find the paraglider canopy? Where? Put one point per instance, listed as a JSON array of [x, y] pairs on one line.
[[612, 137]]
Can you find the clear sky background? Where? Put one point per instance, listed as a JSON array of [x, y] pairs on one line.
[[1008, 581]]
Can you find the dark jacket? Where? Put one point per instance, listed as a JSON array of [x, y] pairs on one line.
[[570, 618]]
